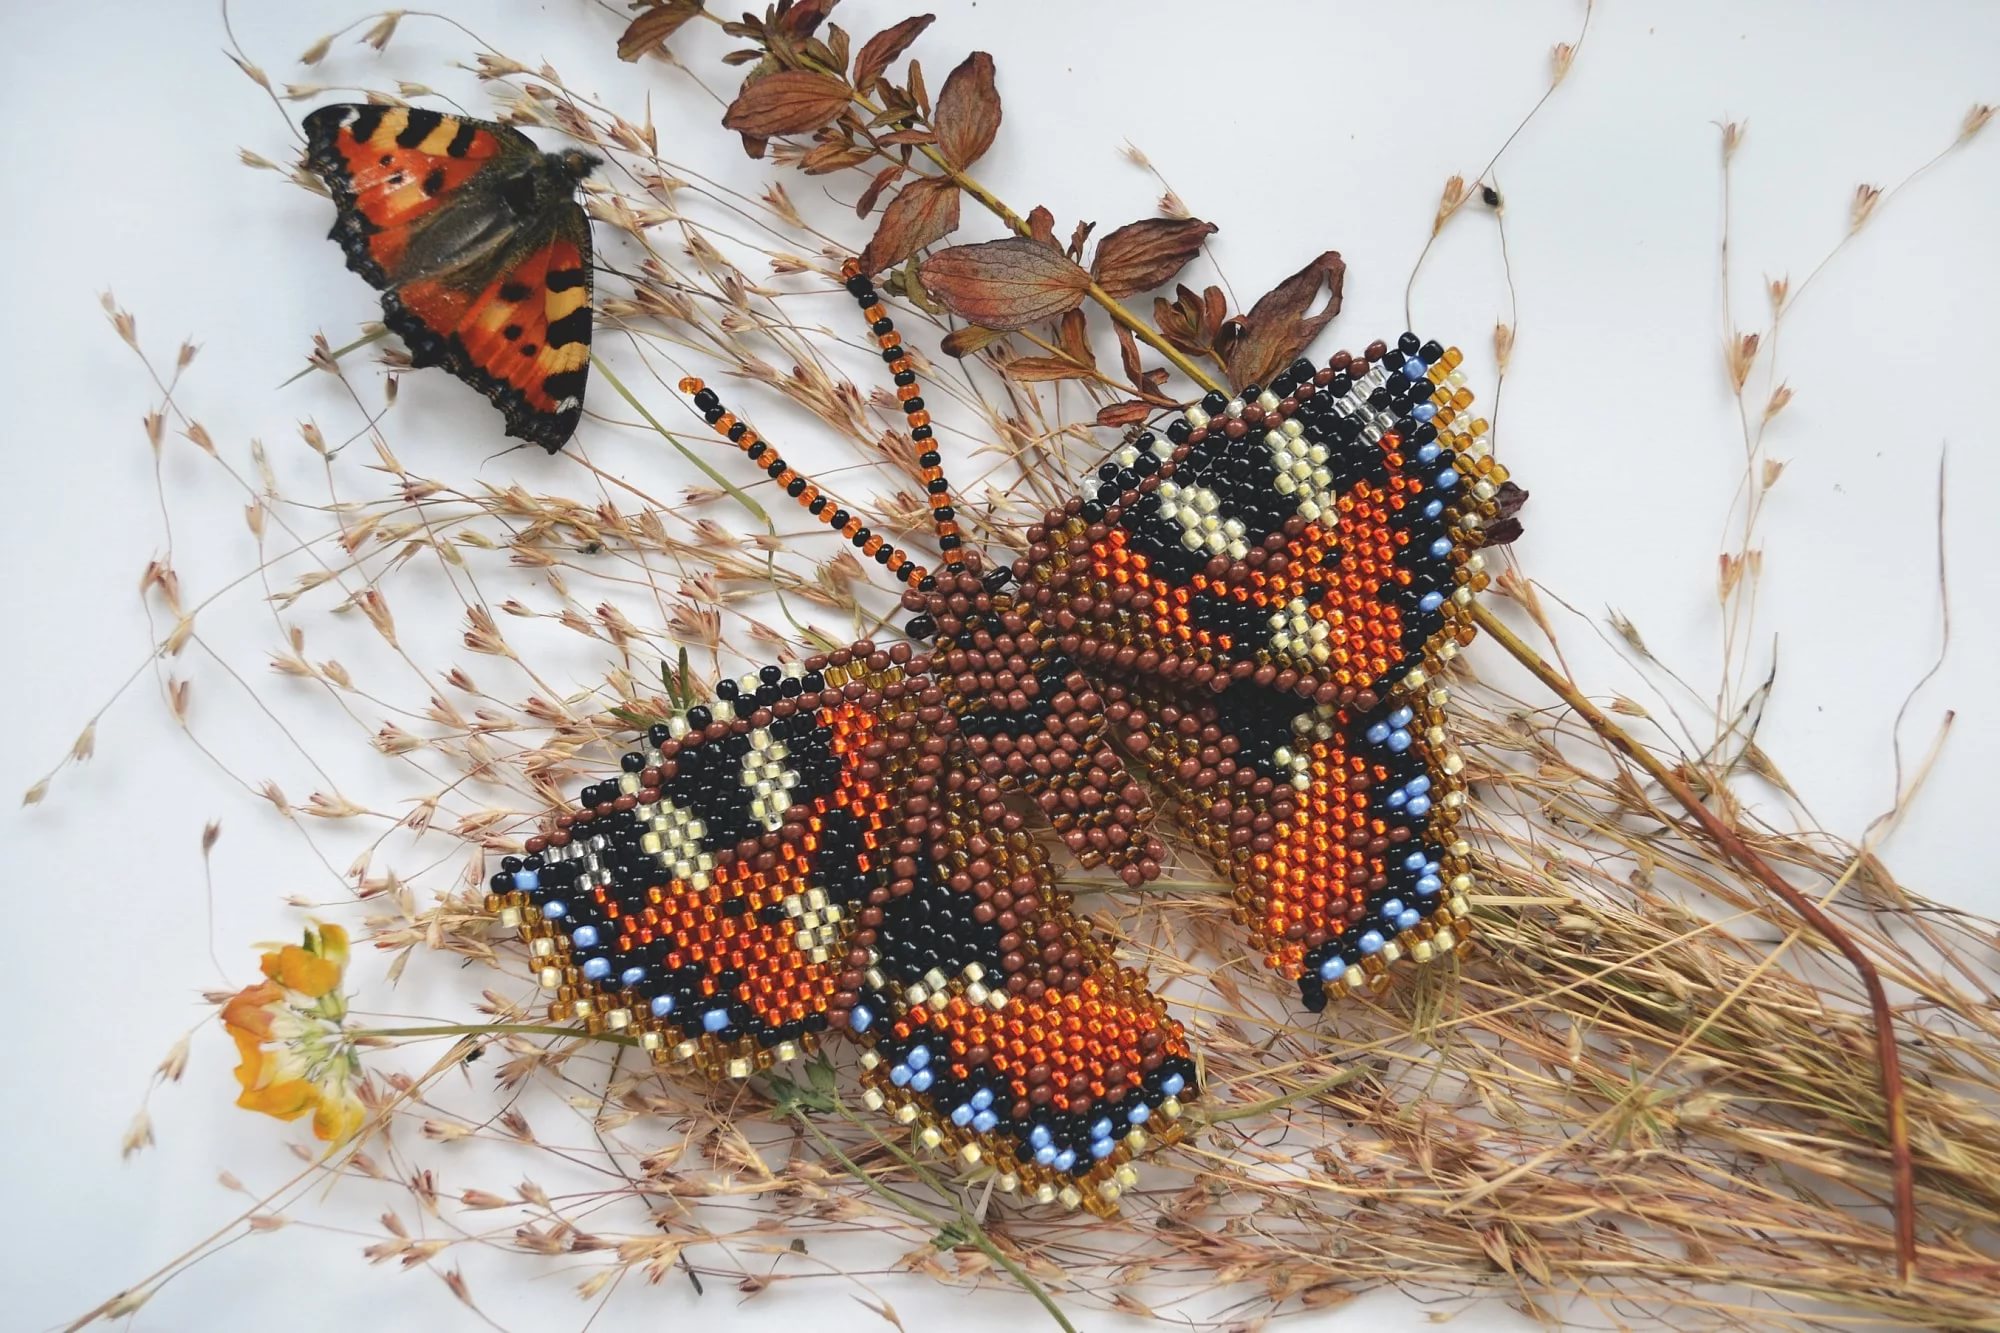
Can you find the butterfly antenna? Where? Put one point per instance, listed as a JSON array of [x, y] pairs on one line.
[[802, 489], [944, 516]]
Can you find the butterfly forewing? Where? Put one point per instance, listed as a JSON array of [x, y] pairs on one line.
[[478, 245]]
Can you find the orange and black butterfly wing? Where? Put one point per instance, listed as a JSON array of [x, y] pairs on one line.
[[479, 247], [1265, 594], [812, 851]]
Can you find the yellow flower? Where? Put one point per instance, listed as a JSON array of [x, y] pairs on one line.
[[295, 1053]]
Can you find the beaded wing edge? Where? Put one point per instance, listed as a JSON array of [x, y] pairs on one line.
[[1250, 613]]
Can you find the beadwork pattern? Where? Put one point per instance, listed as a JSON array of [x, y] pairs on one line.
[[1248, 611]]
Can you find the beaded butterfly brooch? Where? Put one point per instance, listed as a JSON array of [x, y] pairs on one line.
[[474, 237], [1247, 611]]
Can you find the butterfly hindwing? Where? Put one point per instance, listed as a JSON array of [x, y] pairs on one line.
[[479, 247]]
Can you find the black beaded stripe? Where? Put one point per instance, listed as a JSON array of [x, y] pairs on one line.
[[1049, 676], [932, 926]]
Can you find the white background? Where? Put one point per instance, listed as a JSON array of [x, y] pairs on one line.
[[1296, 127]]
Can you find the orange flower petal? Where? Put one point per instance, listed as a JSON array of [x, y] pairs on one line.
[[337, 1121], [297, 970], [246, 1010], [283, 1101]]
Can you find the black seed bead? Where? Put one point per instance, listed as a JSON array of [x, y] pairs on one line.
[[1109, 472], [913, 404], [920, 433], [727, 689], [1408, 344], [795, 487], [998, 578], [633, 762], [1301, 370], [774, 470], [1341, 384], [699, 716], [510, 863], [737, 432], [712, 414], [940, 486], [770, 675], [1249, 392], [817, 507], [658, 734], [904, 378], [839, 519], [502, 883], [1213, 402], [893, 353], [1283, 385], [1431, 352], [707, 399], [862, 287], [882, 555], [790, 688], [860, 537], [1145, 465], [1092, 510], [881, 326], [944, 515], [929, 458], [756, 451], [949, 544]]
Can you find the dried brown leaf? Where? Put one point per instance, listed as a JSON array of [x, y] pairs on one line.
[[1006, 284], [925, 210], [967, 340], [885, 46], [883, 179], [789, 102], [968, 111], [1042, 226], [654, 26], [1128, 413], [1139, 256], [1278, 327], [1040, 369]]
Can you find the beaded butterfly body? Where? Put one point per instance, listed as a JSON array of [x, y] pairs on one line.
[[1246, 612], [475, 239]]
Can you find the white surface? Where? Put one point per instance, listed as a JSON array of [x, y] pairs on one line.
[[125, 122]]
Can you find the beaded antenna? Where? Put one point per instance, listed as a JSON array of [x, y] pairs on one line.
[[1248, 611]]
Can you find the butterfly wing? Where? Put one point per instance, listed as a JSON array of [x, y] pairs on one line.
[[811, 852], [1267, 591], [479, 247]]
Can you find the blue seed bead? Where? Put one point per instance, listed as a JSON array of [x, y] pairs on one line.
[[1045, 1156], [982, 1099], [918, 1057], [1408, 919], [1141, 1114], [961, 1116], [860, 1017], [1371, 942], [1431, 601], [662, 1005], [632, 976], [1419, 784], [900, 1076], [1172, 1085], [1393, 908], [1065, 1159], [584, 937], [555, 909], [1433, 509], [1415, 861], [1378, 733], [597, 969], [527, 881], [985, 1121], [715, 1020], [1397, 799], [1399, 741], [1428, 452], [1333, 969], [1424, 411], [920, 1080], [1429, 884], [1402, 717], [1441, 547], [1447, 479], [1039, 1137], [1419, 806], [1101, 1147], [1414, 369], [1102, 1129]]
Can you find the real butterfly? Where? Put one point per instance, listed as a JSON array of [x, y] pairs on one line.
[[1239, 622], [476, 241]]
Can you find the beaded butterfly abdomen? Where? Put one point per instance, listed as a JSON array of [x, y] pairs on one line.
[[1246, 612]]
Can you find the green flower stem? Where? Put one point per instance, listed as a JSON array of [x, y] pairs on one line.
[[500, 1029], [1306, 1093], [735, 494]]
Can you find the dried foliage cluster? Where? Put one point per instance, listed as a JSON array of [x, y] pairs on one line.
[[1651, 1091]]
